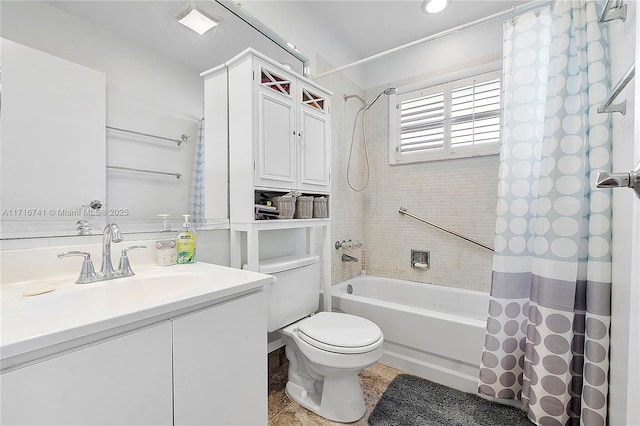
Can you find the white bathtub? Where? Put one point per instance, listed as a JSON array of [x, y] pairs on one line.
[[432, 331]]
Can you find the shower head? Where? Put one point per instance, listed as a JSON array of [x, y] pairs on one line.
[[389, 91], [366, 105]]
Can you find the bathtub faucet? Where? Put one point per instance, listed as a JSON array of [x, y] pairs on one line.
[[347, 258]]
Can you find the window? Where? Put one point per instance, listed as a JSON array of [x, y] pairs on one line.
[[452, 120]]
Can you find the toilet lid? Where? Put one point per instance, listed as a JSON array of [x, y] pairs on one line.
[[339, 332]]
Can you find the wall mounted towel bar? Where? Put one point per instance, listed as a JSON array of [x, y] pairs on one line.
[[608, 105], [612, 9], [131, 169], [183, 138], [405, 212]]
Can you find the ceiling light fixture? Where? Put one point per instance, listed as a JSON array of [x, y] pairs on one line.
[[434, 6], [197, 20]]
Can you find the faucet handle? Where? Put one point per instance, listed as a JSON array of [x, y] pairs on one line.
[[124, 269], [87, 255], [124, 251], [87, 273]]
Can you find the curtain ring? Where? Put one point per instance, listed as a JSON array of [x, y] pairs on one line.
[[513, 15]]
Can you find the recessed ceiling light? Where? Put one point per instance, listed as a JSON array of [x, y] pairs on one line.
[[196, 20], [434, 6]]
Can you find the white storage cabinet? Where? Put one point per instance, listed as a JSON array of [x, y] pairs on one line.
[[278, 139], [123, 380], [204, 368], [291, 131], [278, 132]]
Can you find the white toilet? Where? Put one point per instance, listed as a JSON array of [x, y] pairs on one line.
[[326, 351]]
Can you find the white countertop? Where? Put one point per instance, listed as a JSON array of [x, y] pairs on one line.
[[74, 314]]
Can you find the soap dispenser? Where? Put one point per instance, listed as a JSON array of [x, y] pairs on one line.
[[166, 226], [186, 243]]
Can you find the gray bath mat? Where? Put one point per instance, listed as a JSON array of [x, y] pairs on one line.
[[413, 401]]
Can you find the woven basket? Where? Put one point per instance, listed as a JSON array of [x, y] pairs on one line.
[[286, 206]]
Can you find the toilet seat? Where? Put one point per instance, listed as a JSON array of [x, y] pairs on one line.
[[340, 333]]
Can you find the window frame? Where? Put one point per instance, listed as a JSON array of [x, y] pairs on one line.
[[447, 152]]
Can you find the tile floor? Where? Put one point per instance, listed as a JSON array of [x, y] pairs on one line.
[[283, 412]]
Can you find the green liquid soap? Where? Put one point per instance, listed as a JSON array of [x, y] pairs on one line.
[[186, 243]]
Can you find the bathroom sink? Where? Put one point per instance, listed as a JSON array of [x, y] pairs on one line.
[[77, 298], [149, 287], [57, 310]]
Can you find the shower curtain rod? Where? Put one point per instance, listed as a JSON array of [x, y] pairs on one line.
[[511, 12]]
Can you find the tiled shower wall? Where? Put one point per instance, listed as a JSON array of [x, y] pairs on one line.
[[458, 194], [346, 205]]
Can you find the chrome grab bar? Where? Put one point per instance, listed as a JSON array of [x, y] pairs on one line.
[[405, 212]]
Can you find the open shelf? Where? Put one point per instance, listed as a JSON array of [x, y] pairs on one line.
[[262, 196]]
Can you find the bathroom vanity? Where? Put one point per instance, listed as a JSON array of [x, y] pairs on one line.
[[184, 344]]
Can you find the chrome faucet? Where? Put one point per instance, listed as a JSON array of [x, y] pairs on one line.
[[347, 258], [110, 233]]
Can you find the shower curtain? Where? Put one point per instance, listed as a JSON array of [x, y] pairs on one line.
[[547, 335], [196, 191]]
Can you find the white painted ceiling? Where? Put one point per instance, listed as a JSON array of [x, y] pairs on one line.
[[152, 23], [364, 27], [372, 26]]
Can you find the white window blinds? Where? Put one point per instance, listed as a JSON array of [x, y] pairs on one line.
[[422, 123], [475, 114], [457, 119]]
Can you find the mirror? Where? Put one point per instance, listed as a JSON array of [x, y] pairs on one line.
[[138, 161]]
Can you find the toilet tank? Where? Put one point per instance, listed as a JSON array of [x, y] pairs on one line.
[[294, 293]]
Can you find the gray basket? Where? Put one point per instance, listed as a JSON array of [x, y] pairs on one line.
[[304, 207], [286, 206], [320, 207]]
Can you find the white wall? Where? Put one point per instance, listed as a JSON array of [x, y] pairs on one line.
[[624, 396], [437, 57]]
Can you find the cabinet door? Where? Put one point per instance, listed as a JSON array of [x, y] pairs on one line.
[[220, 364], [315, 141], [53, 137], [275, 151], [126, 380]]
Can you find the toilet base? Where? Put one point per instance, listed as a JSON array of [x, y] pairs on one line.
[[341, 398]]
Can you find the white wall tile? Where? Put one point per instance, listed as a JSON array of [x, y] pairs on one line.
[[458, 194]]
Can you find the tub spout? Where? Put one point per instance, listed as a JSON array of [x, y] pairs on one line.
[[347, 258]]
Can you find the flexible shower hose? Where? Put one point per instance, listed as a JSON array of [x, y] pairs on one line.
[[362, 110]]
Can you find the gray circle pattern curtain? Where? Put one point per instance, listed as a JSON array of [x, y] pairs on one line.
[[547, 338]]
